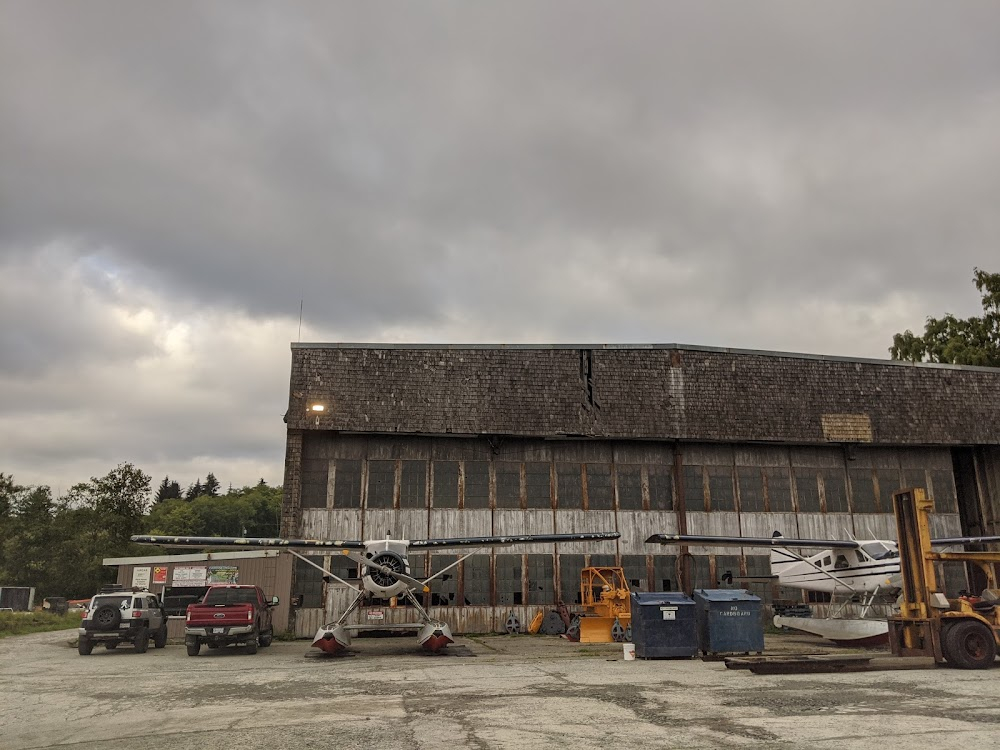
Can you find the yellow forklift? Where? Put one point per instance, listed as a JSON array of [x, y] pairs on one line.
[[962, 632]]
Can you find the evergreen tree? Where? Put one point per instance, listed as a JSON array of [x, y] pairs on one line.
[[167, 490], [195, 490], [211, 486]]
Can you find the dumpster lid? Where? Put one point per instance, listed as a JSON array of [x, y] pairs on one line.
[[725, 595], [661, 597]]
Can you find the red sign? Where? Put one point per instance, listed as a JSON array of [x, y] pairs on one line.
[[160, 575]]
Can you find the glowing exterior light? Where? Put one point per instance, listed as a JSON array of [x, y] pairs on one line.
[[318, 407]]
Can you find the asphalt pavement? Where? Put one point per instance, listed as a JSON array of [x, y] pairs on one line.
[[484, 692]]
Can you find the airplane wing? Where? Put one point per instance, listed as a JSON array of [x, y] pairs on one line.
[[230, 541], [964, 540], [751, 541], [505, 541]]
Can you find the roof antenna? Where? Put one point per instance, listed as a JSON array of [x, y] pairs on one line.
[[301, 302]]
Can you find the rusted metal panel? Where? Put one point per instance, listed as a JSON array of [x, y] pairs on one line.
[[451, 523]]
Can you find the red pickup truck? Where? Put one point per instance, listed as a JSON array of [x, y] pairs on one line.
[[227, 615]]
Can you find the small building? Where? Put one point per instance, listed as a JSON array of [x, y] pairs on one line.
[[180, 580], [420, 441]]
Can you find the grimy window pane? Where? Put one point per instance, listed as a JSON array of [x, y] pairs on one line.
[[569, 577], [665, 572], [779, 489], [508, 569], [309, 583], [445, 484], [629, 487], [759, 566], [477, 484], [444, 589], [541, 579], [418, 567], [888, 482], [599, 494], [602, 561], [413, 485], [727, 568], [720, 488], [476, 580], [694, 491], [835, 486], [915, 478], [314, 482], [347, 483], [807, 487], [538, 481], [944, 497], [381, 481], [862, 491], [508, 484], [751, 489], [661, 490], [569, 486], [634, 567], [700, 573]]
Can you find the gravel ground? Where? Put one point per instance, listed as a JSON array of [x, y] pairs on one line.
[[486, 692]]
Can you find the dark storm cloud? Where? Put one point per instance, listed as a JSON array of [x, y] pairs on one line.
[[770, 175]]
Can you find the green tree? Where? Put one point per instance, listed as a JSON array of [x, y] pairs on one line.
[[195, 490], [211, 486], [167, 490], [960, 341]]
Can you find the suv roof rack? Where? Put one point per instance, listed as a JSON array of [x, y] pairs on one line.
[[111, 588]]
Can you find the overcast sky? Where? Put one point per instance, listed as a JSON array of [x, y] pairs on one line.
[[176, 178]]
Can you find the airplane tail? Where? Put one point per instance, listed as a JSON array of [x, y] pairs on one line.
[[779, 555]]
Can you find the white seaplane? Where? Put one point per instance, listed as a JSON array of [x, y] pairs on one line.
[[862, 568], [385, 573]]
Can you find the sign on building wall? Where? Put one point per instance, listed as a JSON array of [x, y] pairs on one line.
[[223, 574], [160, 574], [140, 578], [190, 576]]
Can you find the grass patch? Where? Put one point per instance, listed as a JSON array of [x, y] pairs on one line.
[[22, 623]]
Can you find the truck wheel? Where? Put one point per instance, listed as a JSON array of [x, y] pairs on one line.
[[266, 638], [193, 646], [969, 644], [85, 646], [111, 645], [141, 639], [160, 639], [252, 643]]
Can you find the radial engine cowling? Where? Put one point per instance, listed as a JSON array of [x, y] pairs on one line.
[[387, 557]]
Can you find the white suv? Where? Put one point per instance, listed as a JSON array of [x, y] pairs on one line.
[[121, 616]]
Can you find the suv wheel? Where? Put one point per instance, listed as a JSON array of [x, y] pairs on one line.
[[193, 646], [141, 639], [252, 643], [106, 617], [160, 639], [85, 646]]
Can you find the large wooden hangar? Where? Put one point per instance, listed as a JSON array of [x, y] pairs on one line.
[[415, 441]]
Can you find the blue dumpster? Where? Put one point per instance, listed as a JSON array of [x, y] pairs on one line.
[[664, 625], [729, 621]]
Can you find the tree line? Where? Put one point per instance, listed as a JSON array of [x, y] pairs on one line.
[[57, 544]]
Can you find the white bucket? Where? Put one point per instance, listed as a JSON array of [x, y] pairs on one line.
[[629, 651]]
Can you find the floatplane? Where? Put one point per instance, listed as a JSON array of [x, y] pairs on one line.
[[863, 569], [385, 574]]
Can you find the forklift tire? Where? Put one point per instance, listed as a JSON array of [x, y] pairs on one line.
[[969, 644]]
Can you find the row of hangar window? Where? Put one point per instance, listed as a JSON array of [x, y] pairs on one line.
[[501, 580], [415, 484]]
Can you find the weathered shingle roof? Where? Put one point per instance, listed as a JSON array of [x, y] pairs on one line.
[[664, 391]]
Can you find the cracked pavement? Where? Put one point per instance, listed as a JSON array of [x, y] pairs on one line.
[[488, 692]]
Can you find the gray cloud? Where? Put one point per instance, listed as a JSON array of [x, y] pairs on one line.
[[177, 177]]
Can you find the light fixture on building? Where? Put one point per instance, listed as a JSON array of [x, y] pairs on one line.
[[318, 407]]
